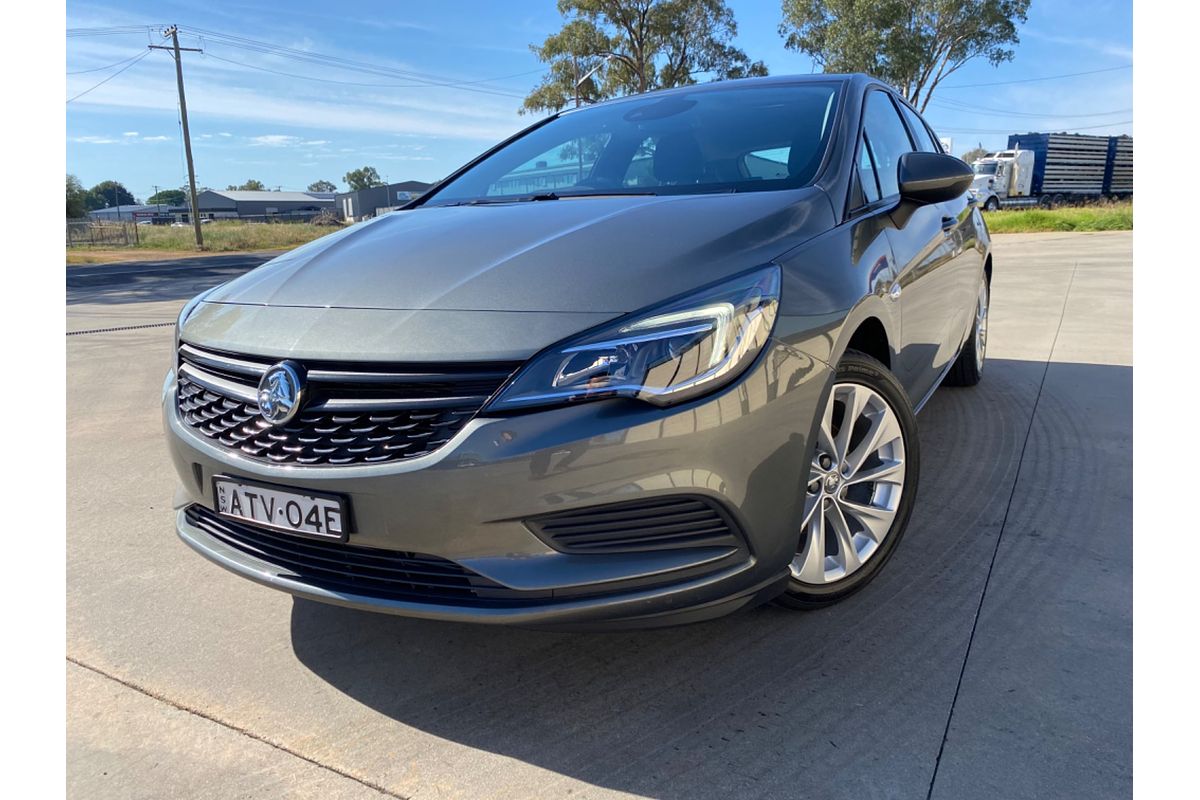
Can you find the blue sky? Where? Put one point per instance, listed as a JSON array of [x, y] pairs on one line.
[[247, 121]]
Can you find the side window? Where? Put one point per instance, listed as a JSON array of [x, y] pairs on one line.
[[866, 176], [922, 136], [888, 140]]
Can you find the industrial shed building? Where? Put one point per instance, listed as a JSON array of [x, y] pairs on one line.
[[366, 203], [261, 205]]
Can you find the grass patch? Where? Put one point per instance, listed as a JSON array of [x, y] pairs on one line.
[[232, 235], [1115, 217], [226, 236]]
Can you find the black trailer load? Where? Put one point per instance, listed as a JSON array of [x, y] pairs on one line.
[[1078, 165], [1119, 180]]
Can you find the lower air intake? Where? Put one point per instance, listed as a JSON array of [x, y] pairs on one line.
[[660, 523]]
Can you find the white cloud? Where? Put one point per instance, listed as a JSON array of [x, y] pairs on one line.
[[130, 133], [156, 138], [94, 140], [1115, 49], [226, 135], [274, 140]]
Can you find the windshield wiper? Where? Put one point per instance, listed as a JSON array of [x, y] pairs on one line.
[[533, 198], [570, 195]]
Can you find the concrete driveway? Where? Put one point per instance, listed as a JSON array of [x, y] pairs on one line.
[[992, 658]]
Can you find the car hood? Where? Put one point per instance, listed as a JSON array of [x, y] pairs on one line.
[[600, 255]]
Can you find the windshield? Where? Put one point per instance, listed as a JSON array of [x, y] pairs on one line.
[[743, 138], [988, 168]]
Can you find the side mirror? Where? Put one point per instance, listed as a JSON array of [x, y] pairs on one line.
[[933, 177]]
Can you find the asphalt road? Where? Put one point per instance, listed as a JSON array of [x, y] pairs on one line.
[[992, 658]]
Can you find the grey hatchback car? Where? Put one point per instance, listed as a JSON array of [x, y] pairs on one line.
[[645, 362]]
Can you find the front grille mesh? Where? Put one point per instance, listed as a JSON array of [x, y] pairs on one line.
[[365, 571], [667, 522], [354, 414], [317, 438]]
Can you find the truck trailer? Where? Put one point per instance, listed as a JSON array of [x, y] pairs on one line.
[[1050, 169]]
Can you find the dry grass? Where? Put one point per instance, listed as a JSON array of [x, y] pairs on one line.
[[231, 236], [164, 241], [1111, 217]]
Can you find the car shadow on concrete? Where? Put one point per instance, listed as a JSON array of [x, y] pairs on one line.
[[851, 701]]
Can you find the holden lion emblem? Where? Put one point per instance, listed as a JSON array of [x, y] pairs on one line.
[[280, 393]]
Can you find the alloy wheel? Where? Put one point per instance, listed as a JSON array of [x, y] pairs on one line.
[[854, 487], [981, 326]]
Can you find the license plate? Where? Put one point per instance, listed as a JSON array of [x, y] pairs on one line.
[[282, 509]]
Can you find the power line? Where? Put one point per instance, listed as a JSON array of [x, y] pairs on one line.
[[1008, 130], [108, 66], [110, 77], [1032, 80], [209, 54], [116, 30], [312, 57], [419, 79], [952, 104]]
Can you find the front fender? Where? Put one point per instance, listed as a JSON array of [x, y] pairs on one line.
[[834, 284]]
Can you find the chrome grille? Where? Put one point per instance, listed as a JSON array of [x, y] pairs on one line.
[[355, 413]]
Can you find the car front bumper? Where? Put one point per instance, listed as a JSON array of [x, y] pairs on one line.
[[744, 449]]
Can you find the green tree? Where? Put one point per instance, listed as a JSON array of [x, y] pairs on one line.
[[251, 185], [107, 194], [911, 44], [322, 186], [618, 47], [76, 198], [168, 197], [363, 178], [975, 153]]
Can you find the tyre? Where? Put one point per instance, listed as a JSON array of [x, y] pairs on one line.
[[861, 488], [992, 204], [968, 367]]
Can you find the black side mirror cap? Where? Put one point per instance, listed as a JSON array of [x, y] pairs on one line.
[[933, 177]]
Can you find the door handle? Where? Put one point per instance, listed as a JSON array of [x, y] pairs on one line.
[[894, 292], [948, 224]]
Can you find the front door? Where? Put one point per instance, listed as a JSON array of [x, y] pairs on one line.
[[923, 241]]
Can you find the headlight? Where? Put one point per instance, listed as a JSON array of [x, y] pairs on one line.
[[664, 355]]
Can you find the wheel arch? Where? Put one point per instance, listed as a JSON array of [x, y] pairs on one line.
[[868, 329]]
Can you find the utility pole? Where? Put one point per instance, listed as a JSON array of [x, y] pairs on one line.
[[173, 32]]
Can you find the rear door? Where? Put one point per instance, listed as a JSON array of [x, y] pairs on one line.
[[924, 247]]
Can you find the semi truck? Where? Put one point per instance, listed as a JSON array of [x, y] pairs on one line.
[[1050, 169]]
